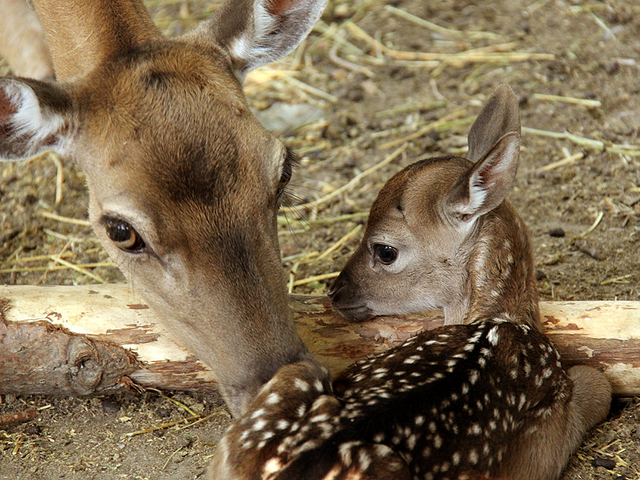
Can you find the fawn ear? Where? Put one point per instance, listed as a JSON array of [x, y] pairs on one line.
[[257, 32], [34, 117], [485, 185], [499, 116]]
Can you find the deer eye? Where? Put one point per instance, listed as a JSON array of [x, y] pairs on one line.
[[124, 235], [386, 254]]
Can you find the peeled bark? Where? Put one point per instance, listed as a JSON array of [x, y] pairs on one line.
[[97, 339]]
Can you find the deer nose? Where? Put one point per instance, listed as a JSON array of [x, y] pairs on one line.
[[336, 287]]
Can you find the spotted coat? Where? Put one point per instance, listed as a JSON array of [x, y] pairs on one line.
[[452, 403]]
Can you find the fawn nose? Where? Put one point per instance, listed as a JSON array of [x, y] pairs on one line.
[[338, 286]]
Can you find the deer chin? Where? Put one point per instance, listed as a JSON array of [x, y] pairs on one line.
[[359, 313]]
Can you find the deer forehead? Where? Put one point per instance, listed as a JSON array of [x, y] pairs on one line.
[[184, 127], [413, 199]]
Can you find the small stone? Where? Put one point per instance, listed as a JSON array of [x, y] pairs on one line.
[[557, 232], [110, 406], [604, 462], [32, 430], [163, 412], [197, 407]]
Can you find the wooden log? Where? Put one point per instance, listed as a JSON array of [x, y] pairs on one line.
[[96, 339]]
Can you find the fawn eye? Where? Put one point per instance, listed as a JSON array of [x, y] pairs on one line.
[[386, 254], [124, 235]]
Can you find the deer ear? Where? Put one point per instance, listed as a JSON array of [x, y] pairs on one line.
[[34, 117], [499, 116], [485, 185], [257, 32]]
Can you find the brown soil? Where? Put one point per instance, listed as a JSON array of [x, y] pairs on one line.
[[596, 47]]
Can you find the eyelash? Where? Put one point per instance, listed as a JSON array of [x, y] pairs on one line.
[[290, 162]]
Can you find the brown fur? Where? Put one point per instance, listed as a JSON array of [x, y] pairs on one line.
[[164, 135]]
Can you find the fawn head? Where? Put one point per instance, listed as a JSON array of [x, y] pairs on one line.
[[426, 245], [184, 182]]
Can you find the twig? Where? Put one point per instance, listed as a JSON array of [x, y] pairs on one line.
[[161, 427], [593, 226], [339, 243], [316, 278], [576, 101], [323, 221], [411, 108], [588, 143], [58, 267], [424, 130], [333, 56], [311, 90], [81, 270], [60, 218], [621, 279], [59, 176], [456, 59], [171, 456], [437, 28], [18, 417], [563, 162], [350, 184]]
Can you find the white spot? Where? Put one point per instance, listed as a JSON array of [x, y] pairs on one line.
[[473, 376], [523, 398], [318, 385], [419, 420], [282, 424], [259, 425], [273, 398], [364, 459], [432, 427], [475, 429], [272, 466], [456, 458], [437, 441], [473, 457], [301, 385], [411, 441], [258, 413], [493, 336], [323, 417]]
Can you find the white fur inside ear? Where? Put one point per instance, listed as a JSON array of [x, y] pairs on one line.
[[253, 44], [31, 122], [270, 37], [501, 164]]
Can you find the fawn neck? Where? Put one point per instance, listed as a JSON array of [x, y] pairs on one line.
[[501, 277]]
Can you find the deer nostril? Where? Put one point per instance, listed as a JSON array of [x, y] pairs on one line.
[[333, 289]]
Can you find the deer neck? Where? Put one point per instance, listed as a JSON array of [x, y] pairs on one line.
[[501, 277]]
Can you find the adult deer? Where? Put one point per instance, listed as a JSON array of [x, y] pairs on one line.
[[184, 182], [488, 399]]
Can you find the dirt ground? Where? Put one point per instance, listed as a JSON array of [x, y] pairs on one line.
[[368, 98]]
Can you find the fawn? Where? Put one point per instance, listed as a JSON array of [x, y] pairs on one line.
[[184, 182], [486, 399]]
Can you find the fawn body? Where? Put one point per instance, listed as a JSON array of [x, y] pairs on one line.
[[184, 182], [486, 399]]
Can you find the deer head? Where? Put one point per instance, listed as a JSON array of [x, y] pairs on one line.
[[441, 234], [184, 182]]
